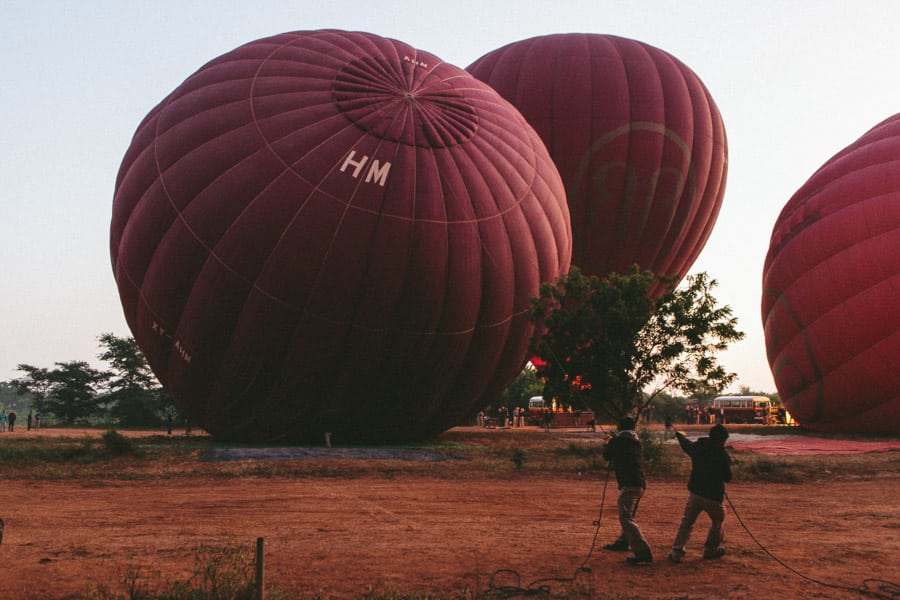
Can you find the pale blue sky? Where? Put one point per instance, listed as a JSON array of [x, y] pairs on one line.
[[795, 82]]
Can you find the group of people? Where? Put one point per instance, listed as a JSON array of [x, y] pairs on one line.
[[8, 420], [504, 418], [517, 419], [705, 414], [710, 471]]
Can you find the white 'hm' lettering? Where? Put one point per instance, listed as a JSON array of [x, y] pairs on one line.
[[376, 173]]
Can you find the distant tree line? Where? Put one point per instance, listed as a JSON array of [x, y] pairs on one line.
[[126, 394]]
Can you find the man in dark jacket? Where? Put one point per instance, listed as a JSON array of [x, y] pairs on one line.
[[625, 450], [710, 471]]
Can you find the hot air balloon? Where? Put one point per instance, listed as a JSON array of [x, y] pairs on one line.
[[331, 231], [637, 139], [831, 284]]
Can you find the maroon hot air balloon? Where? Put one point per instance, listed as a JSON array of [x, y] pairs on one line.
[[637, 139], [831, 291], [330, 231]]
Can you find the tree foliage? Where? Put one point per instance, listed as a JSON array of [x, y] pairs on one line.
[[134, 395], [129, 369], [608, 346], [70, 391], [73, 392], [10, 397], [525, 386]]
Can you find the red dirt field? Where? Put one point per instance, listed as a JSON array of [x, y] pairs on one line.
[[339, 528]]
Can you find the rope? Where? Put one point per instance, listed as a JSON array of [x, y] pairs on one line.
[[539, 587], [885, 590], [888, 589]]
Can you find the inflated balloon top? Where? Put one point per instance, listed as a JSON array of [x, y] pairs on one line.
[[831, 284], [637, 139], [331, 231]]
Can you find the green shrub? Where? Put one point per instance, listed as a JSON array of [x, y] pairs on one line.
[[655, 457], [518, 457], [83, 452], [117, 444]]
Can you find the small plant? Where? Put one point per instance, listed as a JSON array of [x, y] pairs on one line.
[[83, 452], [117, 444], [518, 457], [779, 471], [655, 459], [219, 574]]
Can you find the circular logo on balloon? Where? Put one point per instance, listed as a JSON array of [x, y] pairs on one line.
[[620, 181]]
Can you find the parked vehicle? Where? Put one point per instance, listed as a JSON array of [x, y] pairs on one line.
[[743, 409]]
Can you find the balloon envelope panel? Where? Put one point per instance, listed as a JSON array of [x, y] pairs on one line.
[[333, 231], [831, 285], [637, 139]]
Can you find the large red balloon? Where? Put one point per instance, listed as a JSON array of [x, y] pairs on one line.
[[330, 231], [637, 139], [831, 285]]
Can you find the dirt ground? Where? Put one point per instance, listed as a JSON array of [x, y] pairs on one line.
[[345, 527]]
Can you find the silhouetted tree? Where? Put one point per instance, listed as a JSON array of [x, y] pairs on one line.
[[134, 397], [70, 392], [610, 346]]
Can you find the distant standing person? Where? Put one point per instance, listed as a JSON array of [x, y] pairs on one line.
[[625, 450], [37, 421], [11, 417], [547, 419], [710, 471], [29, 419]]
